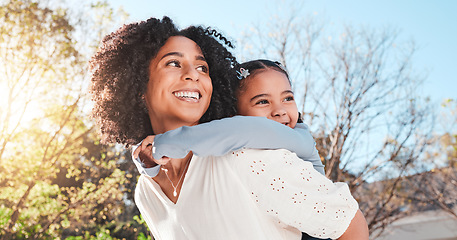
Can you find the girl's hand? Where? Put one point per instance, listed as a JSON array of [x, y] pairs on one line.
[[144, 151]]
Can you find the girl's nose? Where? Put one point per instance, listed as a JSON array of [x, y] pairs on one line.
[[278, 111]]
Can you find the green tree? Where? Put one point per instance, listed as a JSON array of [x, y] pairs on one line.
[[56, 179]]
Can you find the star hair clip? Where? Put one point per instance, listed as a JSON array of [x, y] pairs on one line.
[[243, 73]]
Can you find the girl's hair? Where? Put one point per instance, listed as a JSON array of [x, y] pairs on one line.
[[257, 66], [120, 73]]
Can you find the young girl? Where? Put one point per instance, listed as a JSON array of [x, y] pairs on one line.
[[264, 92]]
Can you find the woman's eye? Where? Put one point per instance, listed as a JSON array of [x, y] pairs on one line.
[[173, 63], [261, 102], [202, 68]]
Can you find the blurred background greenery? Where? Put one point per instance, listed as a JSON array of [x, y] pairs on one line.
[[56, 180]]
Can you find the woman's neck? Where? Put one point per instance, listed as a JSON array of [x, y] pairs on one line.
[[171, 177], [160, 126], [177, 166]]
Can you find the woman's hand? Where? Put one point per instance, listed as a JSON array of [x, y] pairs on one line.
[[144, 151]]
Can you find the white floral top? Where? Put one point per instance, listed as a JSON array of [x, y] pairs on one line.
[[248, 194]]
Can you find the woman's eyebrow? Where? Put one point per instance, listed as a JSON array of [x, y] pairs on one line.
[[287, 91], [172, 54], [200, 57]]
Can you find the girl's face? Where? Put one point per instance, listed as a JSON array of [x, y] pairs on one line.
[[179, 88], [269, 94]]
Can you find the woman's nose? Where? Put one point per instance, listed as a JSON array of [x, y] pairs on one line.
[[190, 73]]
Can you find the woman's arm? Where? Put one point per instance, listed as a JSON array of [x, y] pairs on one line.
[[219, 137]]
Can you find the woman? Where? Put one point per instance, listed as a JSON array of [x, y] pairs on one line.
[[120, 74], [185, 81]]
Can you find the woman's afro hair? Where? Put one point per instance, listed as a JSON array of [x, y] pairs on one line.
[[120, 73]]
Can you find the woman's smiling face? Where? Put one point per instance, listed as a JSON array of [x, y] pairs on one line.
[[179, 88]]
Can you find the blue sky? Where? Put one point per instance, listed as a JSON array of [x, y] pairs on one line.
[[431, 24]]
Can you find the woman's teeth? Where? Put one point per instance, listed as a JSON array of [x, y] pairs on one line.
[[194, 95]]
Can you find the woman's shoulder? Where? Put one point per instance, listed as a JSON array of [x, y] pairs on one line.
[[247, 163], [274, 152], [266, 154], [283, 185], [267, 162]]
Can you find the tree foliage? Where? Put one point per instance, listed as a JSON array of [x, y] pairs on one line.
[[56, 178], [447, 140]]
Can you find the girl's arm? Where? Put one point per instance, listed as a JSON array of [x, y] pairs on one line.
[[151, 169], [219, 137]]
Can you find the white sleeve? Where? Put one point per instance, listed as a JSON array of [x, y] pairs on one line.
[[292, 191]]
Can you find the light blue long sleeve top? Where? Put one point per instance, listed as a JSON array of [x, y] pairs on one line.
[[219, 137]]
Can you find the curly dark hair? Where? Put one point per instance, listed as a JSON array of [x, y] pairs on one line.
[[120, 73]]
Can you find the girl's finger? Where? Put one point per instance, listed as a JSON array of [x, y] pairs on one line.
[[147, 141]]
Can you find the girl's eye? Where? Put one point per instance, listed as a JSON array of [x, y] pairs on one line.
[[261, 102], [202, 68], [288, 99], [173, 63]]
